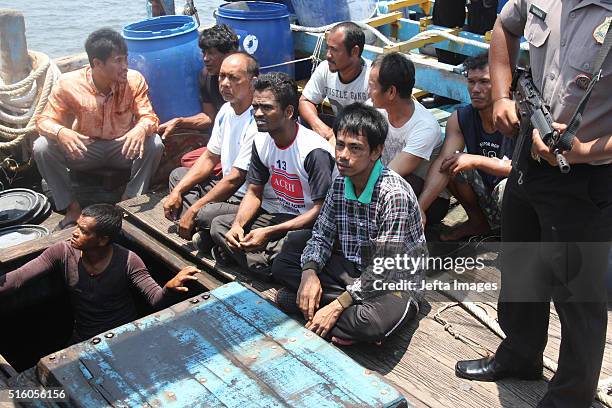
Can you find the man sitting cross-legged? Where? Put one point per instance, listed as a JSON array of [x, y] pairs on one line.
[[477, 178], [99, 274], [370, 214], [293, 162], [195, 193], [97, 117]]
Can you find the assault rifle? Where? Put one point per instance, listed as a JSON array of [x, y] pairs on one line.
[[531, 107]]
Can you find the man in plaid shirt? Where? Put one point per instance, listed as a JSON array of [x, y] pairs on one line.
[[352, 263]]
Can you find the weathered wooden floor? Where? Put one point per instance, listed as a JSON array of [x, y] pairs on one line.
[[420, 359]]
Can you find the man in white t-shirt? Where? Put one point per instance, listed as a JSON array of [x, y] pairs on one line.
[[294, 163], [414, 139], [196, 193], [342, 78]]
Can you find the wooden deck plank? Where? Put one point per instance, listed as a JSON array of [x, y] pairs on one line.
[[146, 212], [419, 360]]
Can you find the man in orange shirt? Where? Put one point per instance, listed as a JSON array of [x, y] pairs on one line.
[[98, 117]]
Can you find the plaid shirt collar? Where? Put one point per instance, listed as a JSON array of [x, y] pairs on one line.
[[366, 195]]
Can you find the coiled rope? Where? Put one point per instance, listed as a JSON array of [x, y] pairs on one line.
[[21, 102]]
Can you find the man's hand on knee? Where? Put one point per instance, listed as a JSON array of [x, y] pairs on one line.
[[234, 237], [459, 162], [255, 240], [133, 143], [73, 143], [168, 128], [187, 223], [172, 205], [309, 294], [325, 319]]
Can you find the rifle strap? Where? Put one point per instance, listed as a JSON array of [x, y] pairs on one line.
[[574, 123]]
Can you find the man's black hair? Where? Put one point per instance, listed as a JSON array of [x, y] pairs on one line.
[[252, 67], [219, 36], [395, 69], [480, 61], [108, 220], [101, 43], [282, 86], [359, 119], [353, 35]]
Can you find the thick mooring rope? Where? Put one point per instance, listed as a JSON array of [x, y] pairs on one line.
[[21, 102]]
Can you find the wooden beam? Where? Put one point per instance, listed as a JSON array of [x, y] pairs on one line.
[[165, 254], [398, 5], [71, 63], [419, 93], [384, 19]]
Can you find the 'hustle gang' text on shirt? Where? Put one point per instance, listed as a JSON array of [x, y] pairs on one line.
[[345, 94]]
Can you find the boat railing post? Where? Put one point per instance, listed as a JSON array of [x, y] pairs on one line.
[[14, 59]]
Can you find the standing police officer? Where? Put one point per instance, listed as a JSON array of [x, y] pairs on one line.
[[543, 205]]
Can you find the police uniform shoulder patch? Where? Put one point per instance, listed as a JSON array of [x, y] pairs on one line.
[[601, 30]]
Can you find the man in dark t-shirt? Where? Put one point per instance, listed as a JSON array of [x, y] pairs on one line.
[[98, 274], [216, 43], [476, 177], [193, 134], [209, 90]]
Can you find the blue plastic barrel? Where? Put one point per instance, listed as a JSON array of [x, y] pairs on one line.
[[264, 32], [317, 13], [165, 50]]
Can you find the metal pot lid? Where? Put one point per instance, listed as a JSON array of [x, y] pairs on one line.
[[16, 205], [43, 214], [41, 208], [18, 234]]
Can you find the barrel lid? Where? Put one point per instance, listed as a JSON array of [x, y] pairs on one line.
[[17, 205], [159, 27], [253, 10], [18, 234]]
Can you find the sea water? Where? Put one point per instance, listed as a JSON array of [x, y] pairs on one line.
[[59, 27]]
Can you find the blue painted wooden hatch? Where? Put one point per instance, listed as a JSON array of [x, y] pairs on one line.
[[230, 348]]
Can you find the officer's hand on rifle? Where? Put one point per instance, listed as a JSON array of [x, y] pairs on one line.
[[505, 117], [539, 148]]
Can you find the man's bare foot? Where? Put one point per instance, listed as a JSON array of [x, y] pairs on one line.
[[73, 212], [466, 229]]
